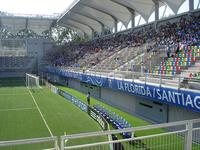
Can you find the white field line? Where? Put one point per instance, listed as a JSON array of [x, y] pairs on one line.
[[41, 113], [14, 94], [17, 109]]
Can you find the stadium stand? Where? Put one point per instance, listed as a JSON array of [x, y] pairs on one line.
[[186, 57], [118, 51]]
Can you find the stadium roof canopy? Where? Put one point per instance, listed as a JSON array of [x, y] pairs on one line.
[[95, 15], [15, 23]]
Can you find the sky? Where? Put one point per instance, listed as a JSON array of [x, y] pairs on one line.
[[56, 7], [41, 7]]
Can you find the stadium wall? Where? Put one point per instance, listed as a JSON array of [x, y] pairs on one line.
[[144, 108], [33, 52], [179, 114], [9, 74]]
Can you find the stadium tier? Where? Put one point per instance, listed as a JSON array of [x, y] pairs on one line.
[[185, 58], [130, 50]]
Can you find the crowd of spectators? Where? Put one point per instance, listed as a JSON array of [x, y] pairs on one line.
[[194, 75], [169, 35]]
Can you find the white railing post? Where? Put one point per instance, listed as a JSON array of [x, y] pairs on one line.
[[132, 77], [62, 143], [56, 144], [160, 79], [179, 82], [188, 136], [145, 79], [110, 139]]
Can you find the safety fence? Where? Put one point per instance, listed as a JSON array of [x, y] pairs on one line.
[[50, 143], [178, 81], [181, 135], [184, 135]]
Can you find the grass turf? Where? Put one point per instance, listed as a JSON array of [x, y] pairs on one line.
[[20, 118], [134, 121], [170, 142]]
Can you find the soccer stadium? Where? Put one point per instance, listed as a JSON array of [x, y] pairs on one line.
[[100, 75]]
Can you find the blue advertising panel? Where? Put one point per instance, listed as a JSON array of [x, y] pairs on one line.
[[74, 100], [181, 97]]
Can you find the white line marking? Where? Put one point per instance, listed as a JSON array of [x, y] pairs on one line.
[[17, 109], [40, 113], [11, 94]]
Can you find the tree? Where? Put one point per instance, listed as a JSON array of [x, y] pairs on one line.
[[63, 35], [26, 33]]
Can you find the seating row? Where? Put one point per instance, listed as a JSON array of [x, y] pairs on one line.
[[117, 121]]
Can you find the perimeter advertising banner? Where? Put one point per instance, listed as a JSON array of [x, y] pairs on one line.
[[74, 100], [98, 118], [183, 97]]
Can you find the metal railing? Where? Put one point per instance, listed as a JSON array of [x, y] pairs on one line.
[[36, 143], [182, 135], [177, 81]]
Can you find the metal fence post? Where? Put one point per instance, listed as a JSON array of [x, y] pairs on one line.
[[160, 79], [188, 136], [145, 78], [62, 143], [110, 139], [56, 144], [179, 81]]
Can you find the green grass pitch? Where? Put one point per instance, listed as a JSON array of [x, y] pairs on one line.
[[171, 142], [20, 118]]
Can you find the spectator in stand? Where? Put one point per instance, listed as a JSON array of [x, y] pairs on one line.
[[186, 31]]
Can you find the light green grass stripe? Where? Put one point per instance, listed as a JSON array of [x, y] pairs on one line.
[[46, 124], [18, 109]]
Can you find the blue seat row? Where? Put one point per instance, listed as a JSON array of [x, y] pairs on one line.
[[117, 121]]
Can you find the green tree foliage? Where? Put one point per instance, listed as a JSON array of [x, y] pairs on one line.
[[63, 35], [26, 33], [5, 33]]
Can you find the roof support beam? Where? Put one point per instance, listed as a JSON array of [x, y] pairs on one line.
[[26, 24], [88, 17], [0, 23], [132, 18], [191, 5], [102, 25], [156, 3], [74, 26], [198, 5], [114, 18], [131, 10], [82, 23], [115, 25]]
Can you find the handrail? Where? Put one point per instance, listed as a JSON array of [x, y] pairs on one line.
[[27, 141]]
